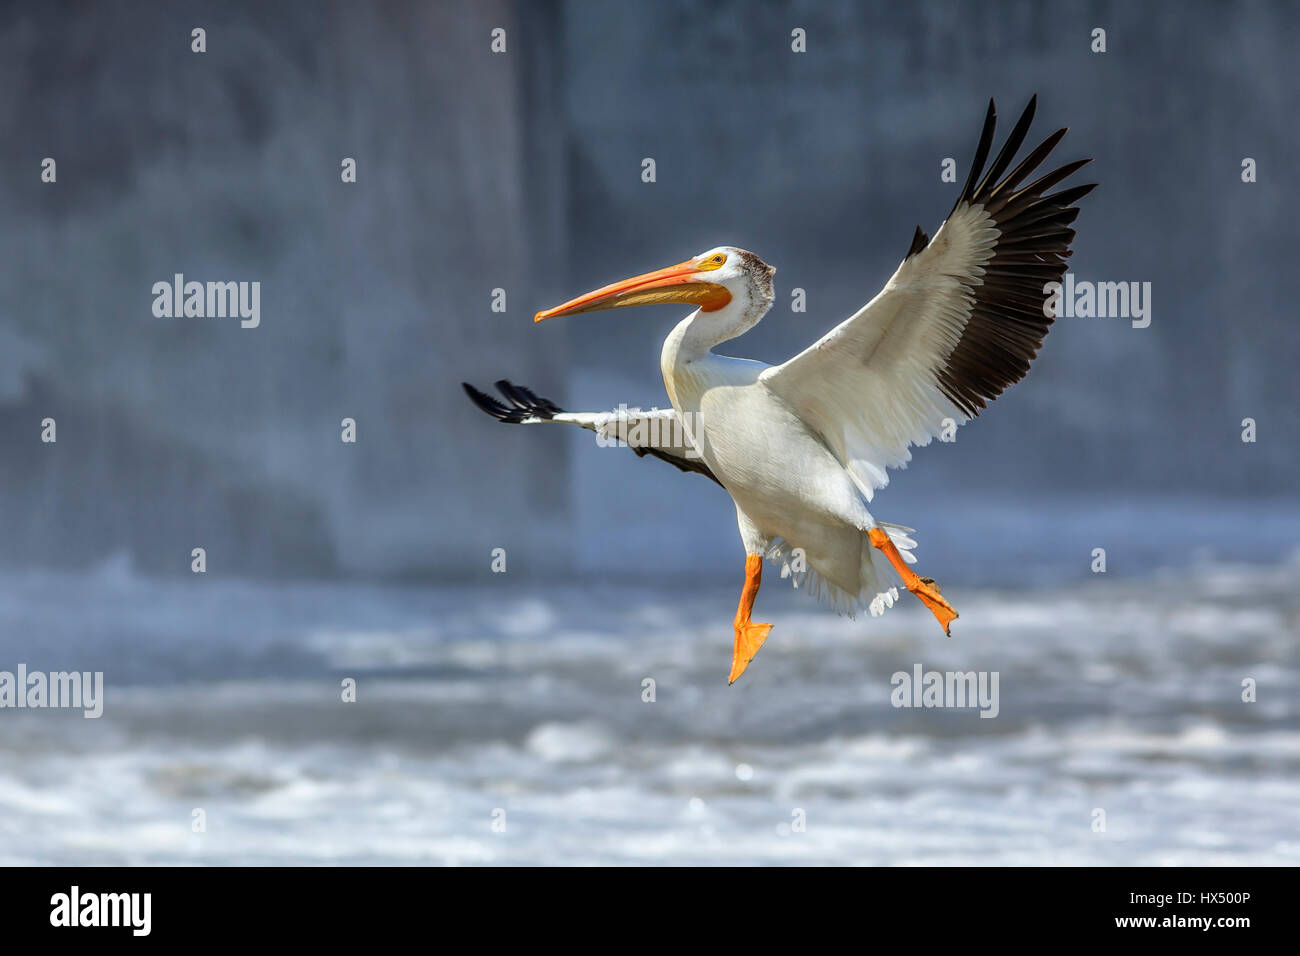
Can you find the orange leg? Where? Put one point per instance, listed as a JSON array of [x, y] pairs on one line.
[[750, 635], [924, 588]]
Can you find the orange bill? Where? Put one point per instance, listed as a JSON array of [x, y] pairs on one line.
[[679, 283]]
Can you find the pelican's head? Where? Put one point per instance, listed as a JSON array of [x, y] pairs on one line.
[[727, 281]]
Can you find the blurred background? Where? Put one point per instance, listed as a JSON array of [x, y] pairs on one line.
[[523, 692]]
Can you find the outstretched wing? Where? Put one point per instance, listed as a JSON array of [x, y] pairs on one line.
[[657, 432], [958, 322]]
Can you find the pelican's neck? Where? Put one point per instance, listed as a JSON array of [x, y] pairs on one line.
[[693, 339]]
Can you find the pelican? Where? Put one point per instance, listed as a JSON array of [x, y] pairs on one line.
[[802, 447]]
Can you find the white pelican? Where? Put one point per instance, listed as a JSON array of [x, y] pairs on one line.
[[803, 446]]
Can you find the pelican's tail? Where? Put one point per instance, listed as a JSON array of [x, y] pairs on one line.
[[875, 593]]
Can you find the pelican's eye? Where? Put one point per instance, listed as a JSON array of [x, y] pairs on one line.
[[714, 261]]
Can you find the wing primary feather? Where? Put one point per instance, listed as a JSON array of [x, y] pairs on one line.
[[542, 407], [523, 398], [981, 154], [511, 394], [919, 241], [1022, 198], [488, 404], [1010, 147], [1042, 215], [1068, 197], [1027, 165]]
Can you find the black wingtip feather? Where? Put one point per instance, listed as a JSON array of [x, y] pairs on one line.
[[981, 154], [491, 406], [524, 403], [1006, 326], [919, 241], [1011, 146]]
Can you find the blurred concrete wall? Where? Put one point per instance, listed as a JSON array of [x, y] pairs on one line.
[[176, 433]]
